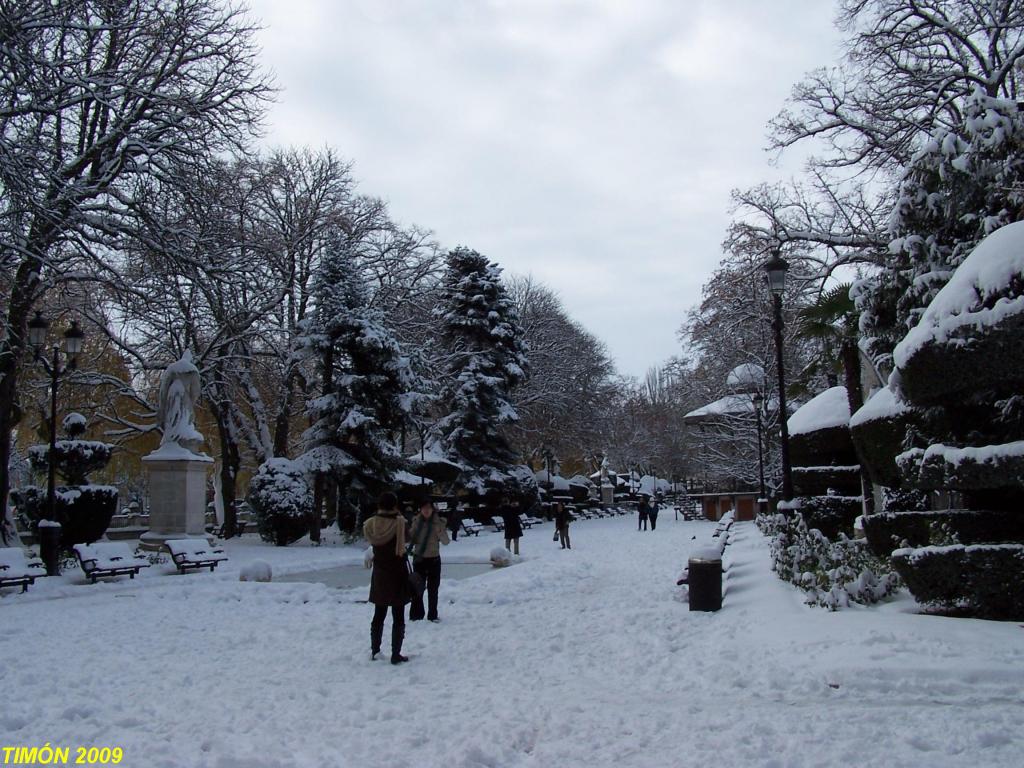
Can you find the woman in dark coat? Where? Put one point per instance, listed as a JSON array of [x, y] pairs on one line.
[[389, 582], [513, 526]]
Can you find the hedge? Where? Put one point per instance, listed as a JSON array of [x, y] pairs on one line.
[[886, 531], [985, 581]]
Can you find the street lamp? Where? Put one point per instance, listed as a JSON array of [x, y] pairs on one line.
[[73, 338], [758, 402], [776, 268]]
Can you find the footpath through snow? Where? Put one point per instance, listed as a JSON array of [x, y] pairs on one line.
[[585, 657]]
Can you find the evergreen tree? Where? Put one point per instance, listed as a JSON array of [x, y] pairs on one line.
[[369, 387], [960, 187], [487, 359]]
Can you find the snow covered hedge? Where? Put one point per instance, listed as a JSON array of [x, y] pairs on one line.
[[282, 500], [888, 531], [982, 580], [833, 573], [944, 466], [833, 515], [971, 336], [84, 511], [878, 430]]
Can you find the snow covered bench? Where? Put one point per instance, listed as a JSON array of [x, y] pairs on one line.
[[529, 522], [471, 528], [194, 553], [109, 558], [16, 570], [498, 523]]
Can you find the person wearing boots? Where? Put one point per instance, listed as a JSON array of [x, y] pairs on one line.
[[652, 513], [644, 509], [389, 580], [562, 519], [513, 526], [426, 536]]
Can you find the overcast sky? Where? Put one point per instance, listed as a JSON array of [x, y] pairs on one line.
[[590, 143]]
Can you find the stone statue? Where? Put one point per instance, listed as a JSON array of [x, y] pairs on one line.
[[179, 393], [604, 470]]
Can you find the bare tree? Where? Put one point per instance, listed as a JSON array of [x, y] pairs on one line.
[[93, 97]]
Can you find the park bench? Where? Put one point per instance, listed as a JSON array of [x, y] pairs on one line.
[[109, 558], [498, 523], [194, 553], [221, 529], [529, 522], [471, 528], [16, 570]]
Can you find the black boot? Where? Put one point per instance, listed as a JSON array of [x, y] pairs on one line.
[[397, 636], [376, 635]]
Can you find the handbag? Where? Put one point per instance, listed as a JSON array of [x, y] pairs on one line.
[[415, 582]]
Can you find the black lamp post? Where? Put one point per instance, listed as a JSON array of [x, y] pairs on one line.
[[776, 268], [73, 338], [758, 402]]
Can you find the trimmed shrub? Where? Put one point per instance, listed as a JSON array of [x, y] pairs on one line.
[[282, 500], [942, 466], [823, 446], [985, 581], [878, 442], [887, 531], [815, 481], [832, 515], [84, 511]]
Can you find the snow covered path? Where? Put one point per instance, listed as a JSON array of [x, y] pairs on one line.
[[577, 658]]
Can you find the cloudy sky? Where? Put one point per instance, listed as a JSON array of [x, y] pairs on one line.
[[591, 143]]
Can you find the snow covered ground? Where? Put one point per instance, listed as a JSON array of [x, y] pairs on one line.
[[586, 657]]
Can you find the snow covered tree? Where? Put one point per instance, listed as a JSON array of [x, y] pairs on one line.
[[961, 186], [486, 361], [96, 98], [369, 387]]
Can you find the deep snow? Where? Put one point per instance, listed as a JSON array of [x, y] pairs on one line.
[[586, 657]]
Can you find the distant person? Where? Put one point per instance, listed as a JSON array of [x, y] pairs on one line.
[[644, 510], [562, 519], [652, 513], [426, 535], [389, 582], [513, 526], [454, 520]]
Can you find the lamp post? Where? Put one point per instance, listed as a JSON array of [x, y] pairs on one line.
[[758, 402], [73, 338], [776, 268]]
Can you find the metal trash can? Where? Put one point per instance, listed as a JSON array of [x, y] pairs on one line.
[[49, 546], [704, 576]]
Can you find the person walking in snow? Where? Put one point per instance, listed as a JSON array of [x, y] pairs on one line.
[[644, 510], [652, 513], [513, 526], [426, 535], [454, 520], [390, 579], [562, 519]]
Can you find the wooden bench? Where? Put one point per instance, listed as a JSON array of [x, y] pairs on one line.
[[194, 553], [109, 558], [16, 570], [220, 530], [498, 523], [529, 522], [471, 528]]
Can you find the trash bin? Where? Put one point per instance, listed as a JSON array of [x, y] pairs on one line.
[[49, 546], [705, 579]]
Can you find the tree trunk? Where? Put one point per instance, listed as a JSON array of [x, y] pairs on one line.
[[855, 398]]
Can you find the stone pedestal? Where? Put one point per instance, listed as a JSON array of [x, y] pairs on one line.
[[607, 495], [177, 497]]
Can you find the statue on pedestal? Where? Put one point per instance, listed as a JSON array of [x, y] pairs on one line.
[[179, 393]]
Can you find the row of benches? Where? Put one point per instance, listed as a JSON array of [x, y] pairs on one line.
[[108, 558]]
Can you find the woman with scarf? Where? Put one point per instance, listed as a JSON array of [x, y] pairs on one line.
[[389, 580], [427, 534]]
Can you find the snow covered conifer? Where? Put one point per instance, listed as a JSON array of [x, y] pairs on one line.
[[960, 186], [487, 359], [369, 387]]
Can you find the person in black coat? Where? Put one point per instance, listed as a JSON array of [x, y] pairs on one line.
[[389, 582], [652, 513], [645, 510], [562, 519], [513, 526]]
